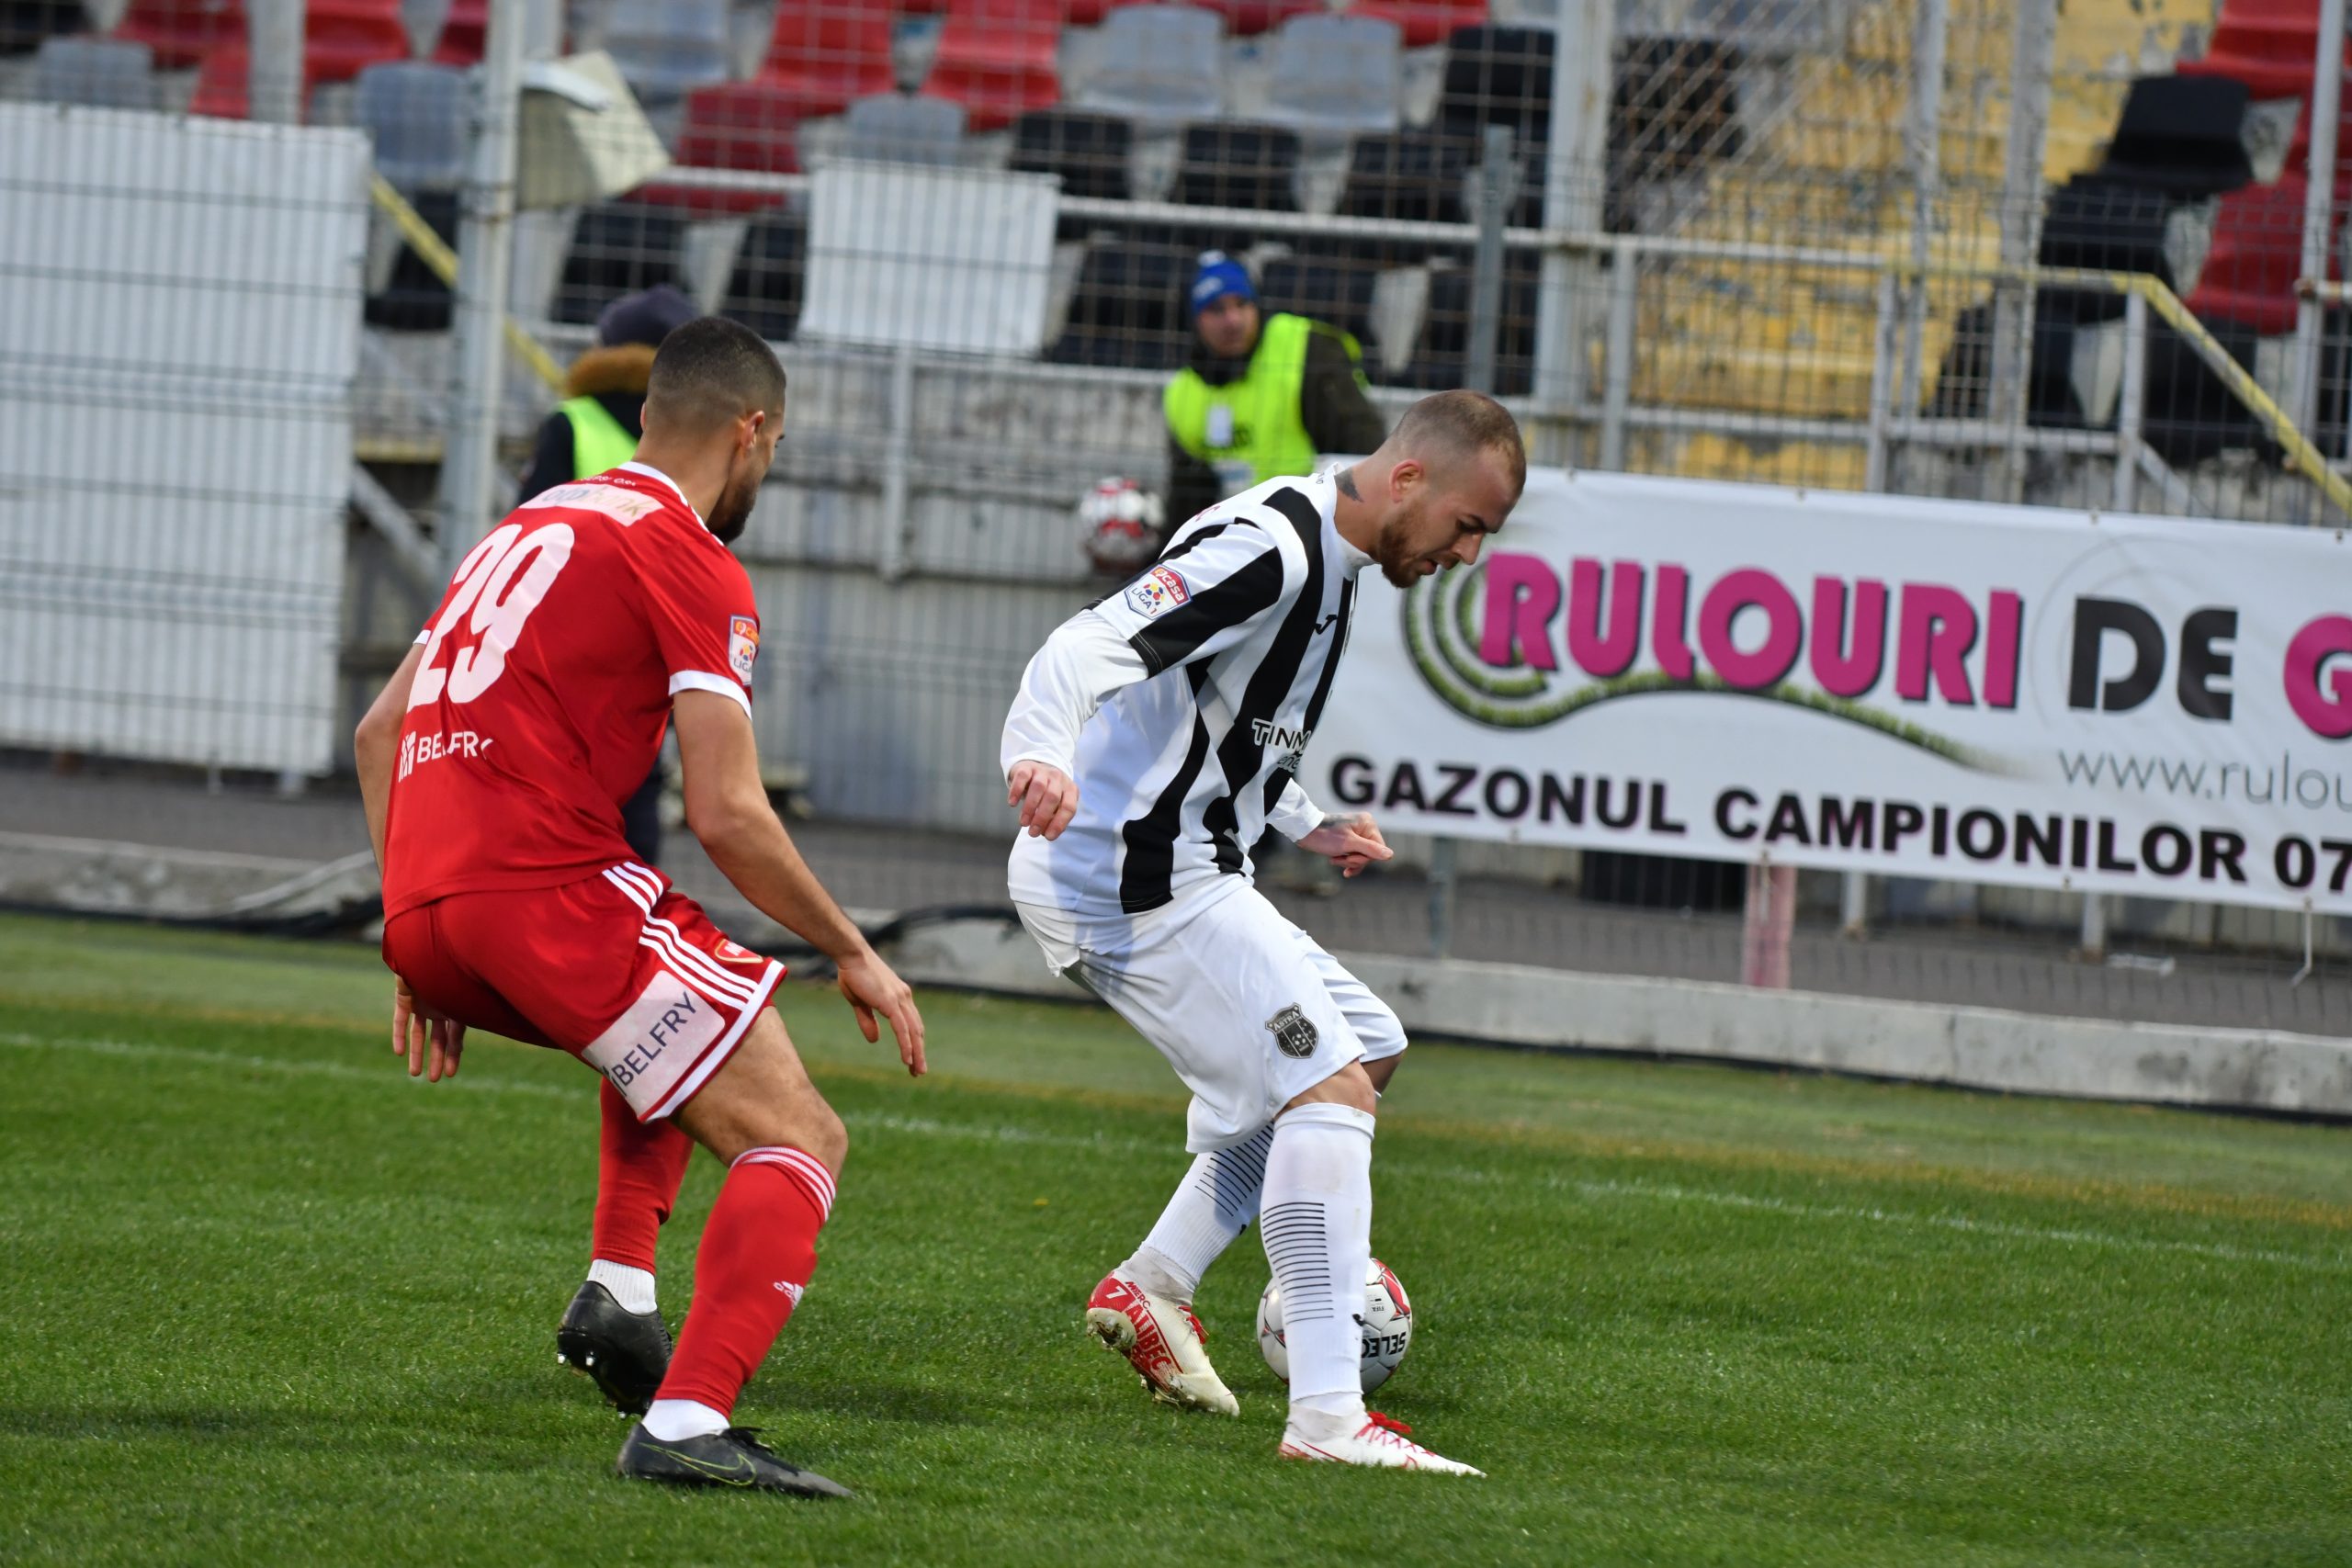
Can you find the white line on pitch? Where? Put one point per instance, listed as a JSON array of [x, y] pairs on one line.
[[1006, 1133]]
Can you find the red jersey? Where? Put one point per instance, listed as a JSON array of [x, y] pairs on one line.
[[546, 685]]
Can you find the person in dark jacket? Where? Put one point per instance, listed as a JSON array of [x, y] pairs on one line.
[[1262, 395], [596, 427]]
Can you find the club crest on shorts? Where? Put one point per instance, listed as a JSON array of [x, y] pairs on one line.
[[1158, 591], [735, 952], [1292, 1031]]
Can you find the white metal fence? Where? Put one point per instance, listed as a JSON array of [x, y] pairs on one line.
[[1793, 243]]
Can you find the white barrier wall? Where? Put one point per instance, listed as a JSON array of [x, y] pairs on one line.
[[178, 336], [2006, 694]]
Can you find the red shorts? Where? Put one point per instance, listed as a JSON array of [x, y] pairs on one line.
[[619, 969]]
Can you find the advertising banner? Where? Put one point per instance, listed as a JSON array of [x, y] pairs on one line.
[[1867, 682]]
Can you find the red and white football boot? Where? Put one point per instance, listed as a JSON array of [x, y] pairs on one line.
[[1379, 1443], [1162, 1340]]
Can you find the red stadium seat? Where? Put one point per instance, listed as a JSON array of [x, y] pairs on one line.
[[2257, 255], [997, 59], [343, 38], [461, 35], [1243, 17], [2267, 44], [182, 32], [828, 54], [1424, 22], [751, 126], [221, 83]]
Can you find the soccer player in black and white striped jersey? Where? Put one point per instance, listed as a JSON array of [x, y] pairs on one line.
[[1158, 734]]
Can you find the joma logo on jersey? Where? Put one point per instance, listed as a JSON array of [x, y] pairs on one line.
[[1266, 733]]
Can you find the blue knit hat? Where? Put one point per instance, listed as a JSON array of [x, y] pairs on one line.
[[645, 318], [1219, 276]]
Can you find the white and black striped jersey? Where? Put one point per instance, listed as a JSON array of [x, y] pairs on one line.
[[1183, 704]]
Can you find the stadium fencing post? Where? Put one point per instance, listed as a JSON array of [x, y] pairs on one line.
[[1495, 180], [2327, 84], [1922, 153], [2032, 52], [485, 237], [1617, 363], [1575, 180], [2131, 411], [274, 61], [2092, 941], [897, 458], [1766, 925]]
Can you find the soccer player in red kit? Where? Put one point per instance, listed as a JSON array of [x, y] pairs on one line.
[[493, 767]]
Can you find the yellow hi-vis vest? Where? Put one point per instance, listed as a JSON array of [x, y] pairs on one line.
[[598, 440], [1251, 430]]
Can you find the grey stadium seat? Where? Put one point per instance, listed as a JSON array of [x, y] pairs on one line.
[[417, 114], [892, 127], [1158, 63], [1337, 75], [103, 73], [666, 47]]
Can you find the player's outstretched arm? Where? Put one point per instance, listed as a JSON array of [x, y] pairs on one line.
[[727, 809]]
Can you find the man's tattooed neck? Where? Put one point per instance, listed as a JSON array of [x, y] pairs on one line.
[[1347, 484]]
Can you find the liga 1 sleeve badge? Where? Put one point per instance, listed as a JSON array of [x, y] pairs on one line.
[[742, 645], [1156, 591]]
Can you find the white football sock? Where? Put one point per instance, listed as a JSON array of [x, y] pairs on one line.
[[675, 1420], [633, 1288], [1317, 1229], [1213, 1203]]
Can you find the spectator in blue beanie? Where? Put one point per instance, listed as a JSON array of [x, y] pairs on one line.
[[1261, 395]]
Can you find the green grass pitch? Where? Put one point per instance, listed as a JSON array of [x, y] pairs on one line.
[[266, 1299]]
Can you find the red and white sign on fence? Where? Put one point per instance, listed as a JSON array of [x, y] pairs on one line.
[[1878, 684]]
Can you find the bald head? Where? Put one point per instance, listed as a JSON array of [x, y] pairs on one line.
[[708, 375], [1442, 430]]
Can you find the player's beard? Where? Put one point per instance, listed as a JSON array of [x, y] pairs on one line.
[[1391, 549], [731, 513]]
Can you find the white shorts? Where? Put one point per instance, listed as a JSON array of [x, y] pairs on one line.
[[1247, 1008]]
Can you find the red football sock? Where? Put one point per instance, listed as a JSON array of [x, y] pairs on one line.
[[639, 1167], [757, 1255]]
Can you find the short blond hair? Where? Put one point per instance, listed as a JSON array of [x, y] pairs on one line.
[[1465, 424]]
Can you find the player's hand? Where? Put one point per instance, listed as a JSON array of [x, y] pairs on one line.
[[1047, 795], [871, 987], [431, 1042], [1349, 843]]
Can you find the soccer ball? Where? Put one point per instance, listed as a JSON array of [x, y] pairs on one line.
[[1387, 1320], [1119, 527]]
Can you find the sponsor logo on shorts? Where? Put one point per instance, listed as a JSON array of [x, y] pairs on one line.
[[1294, 1035], [1158, 591], [652, 1044], [742, 645]]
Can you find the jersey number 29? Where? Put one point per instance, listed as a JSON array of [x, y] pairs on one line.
[[500, 582]]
